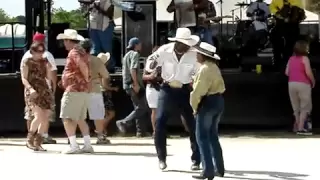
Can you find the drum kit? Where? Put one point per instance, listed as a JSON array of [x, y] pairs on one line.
[[252, 33]]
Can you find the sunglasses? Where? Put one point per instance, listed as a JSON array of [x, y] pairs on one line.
[[39, 51]]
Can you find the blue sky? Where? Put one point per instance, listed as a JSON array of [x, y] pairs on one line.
[[16, 7]]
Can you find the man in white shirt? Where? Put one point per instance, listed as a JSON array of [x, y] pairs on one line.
[[38, 37], [259, 12], [101, 29], [178, 63]]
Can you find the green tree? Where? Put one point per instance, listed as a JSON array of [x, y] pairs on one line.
[[74, 17], [314, 5], [4, 17]]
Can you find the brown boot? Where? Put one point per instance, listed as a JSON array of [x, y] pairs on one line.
[[30, 140], [37, 143]]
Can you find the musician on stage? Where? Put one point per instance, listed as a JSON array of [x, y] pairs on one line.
[[187, 15], [204, 25], [259, 13], [288, 15]]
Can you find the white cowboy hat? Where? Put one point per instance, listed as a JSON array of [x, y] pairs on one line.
[[184, 36], [70, 34], [104, 57], [207, 50]]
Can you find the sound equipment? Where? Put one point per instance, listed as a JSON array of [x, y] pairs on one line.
[[142, 28], [54, 46]]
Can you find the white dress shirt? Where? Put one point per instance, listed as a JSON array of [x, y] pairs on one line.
[[259, 25], [46, 55], [172, 68], [97, 20]]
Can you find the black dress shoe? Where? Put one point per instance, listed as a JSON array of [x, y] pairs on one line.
[[218, 174], [162, 165], [203, 177], [195, 166]]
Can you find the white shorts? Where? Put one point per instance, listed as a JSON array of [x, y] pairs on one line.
[[152, 96], [96, 106]]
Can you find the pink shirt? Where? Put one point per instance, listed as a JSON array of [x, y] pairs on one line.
[[297, 71]]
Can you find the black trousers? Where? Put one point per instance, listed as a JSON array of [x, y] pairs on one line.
[[283, 38]]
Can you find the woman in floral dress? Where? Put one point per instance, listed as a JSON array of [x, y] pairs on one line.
[[38, 96]]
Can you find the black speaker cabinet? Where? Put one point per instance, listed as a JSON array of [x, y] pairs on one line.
[[141, 25], [54, 46]]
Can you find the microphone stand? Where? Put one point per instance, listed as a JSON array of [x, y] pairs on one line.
[[221, 14]]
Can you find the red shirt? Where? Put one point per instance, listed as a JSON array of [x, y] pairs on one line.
[[72, 78]]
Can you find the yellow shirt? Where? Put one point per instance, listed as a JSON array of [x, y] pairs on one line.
[[208, 81], [276, 5], [98, 72]]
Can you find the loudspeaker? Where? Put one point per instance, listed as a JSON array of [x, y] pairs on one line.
[[54, 46], [141, 25]]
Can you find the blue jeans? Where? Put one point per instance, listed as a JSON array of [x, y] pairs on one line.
[[207, 121], [102, 43], [140, 111], [169, 99], [205, 35]]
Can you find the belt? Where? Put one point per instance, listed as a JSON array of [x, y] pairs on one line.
[[174, 84]]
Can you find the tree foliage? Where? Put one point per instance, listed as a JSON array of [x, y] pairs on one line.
[[75, 17], [314, 5]]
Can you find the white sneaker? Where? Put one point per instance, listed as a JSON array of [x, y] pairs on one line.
[[72, 150], [87, 149]]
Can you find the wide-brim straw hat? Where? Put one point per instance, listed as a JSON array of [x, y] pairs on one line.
[[184, 36], [207, 50], [104, 57], [70, 34]]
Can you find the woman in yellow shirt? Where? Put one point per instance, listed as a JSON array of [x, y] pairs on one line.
[[207, 103]]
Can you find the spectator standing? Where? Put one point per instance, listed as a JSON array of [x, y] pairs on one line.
[[134, 87], [301, 82]]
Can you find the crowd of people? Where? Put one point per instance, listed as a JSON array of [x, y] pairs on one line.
[[181, 76]]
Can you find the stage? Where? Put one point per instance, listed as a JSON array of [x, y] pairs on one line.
[[250, 98]]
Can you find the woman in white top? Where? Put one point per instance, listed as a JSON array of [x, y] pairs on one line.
[[153, 79]]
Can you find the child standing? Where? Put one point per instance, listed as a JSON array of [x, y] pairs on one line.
[[301, 81]]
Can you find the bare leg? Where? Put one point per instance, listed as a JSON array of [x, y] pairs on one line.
[[153, 119], [28, 122], [41, 116], [84, 128], [99, 124], [110, 114]]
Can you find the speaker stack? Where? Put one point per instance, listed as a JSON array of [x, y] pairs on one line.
[[140, 24]]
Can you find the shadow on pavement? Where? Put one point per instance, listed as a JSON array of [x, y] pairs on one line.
[[11, 144], [280, 175], [125, 154], [267, 135], [243, 175]]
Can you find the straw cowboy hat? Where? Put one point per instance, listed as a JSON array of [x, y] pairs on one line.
[[184, 36], [104, 57], [207, 50], [70, 34]]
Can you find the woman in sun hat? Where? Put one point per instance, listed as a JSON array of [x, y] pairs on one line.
[[107, 94], [207, 103]]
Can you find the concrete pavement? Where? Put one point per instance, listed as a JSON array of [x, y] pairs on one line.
[[246, 158]]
